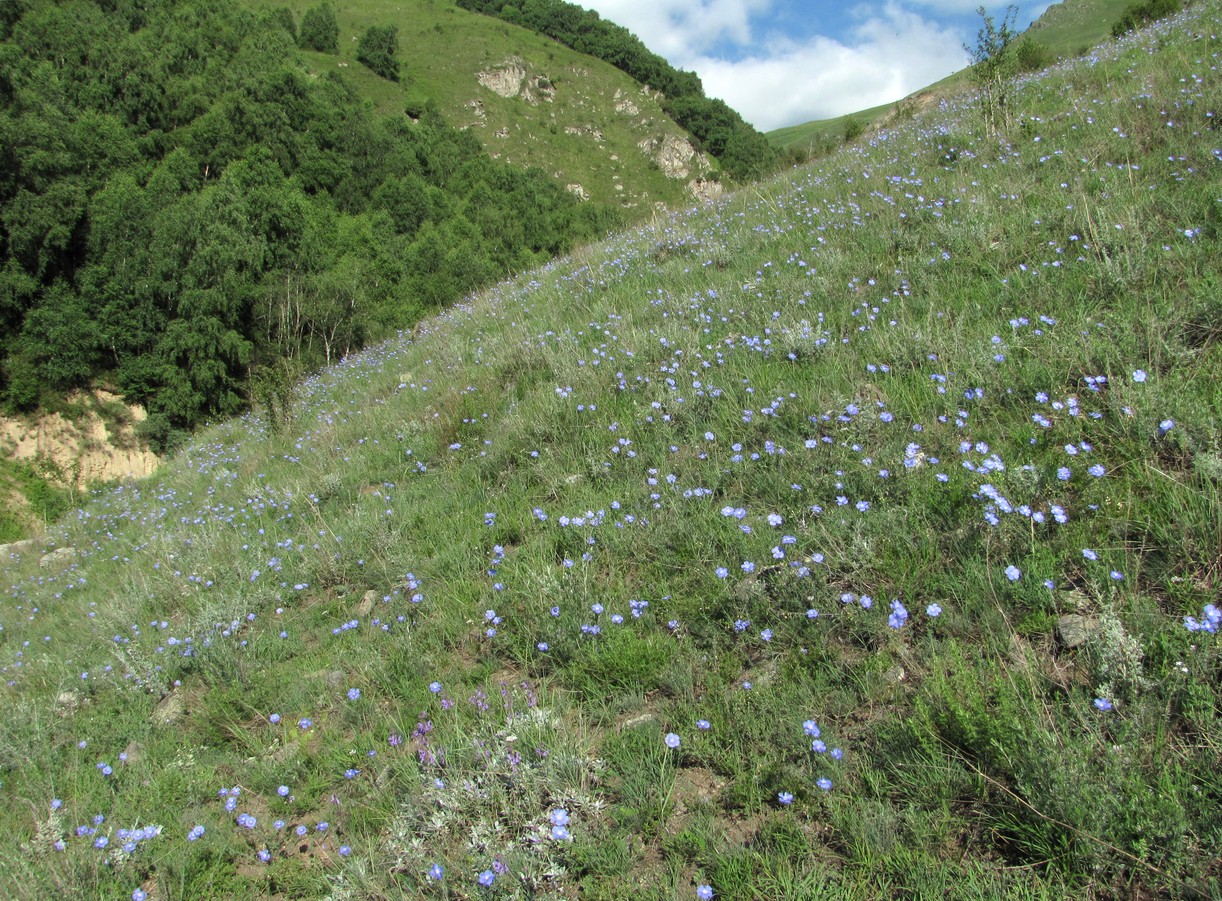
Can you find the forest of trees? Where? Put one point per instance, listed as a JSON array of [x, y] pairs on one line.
[[182, 206], [741, 150]]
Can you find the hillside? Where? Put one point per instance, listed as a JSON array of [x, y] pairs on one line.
[[529, 100], [1064, 30], [853, 537], [231, 210]]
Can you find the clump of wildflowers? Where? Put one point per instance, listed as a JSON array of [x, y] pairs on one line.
[[1210, 621]]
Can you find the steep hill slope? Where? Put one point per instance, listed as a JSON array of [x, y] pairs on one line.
[[854, 537], [529, 100]]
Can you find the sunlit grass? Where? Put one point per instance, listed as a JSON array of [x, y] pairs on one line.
[[885, 488]]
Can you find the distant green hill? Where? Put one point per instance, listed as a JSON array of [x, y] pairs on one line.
[[1065, 29], [529, 100]]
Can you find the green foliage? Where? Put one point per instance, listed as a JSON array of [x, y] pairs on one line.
[[378, 50], [1032, 56], [994, 65], [1142, 13], [853, 129], [241, 214], [319, 29], [283, 16], [44, 502]]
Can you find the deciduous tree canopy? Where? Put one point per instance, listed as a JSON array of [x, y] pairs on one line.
[[180, 204]]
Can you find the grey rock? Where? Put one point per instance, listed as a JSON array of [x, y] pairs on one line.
[[1075, 630]]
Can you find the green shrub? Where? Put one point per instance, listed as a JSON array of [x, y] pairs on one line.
[[320, 29], [378, 51], [1032, 56], [1139, 14]]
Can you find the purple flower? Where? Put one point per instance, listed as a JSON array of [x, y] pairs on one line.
[[704, 892], [353, 694], [672, 740], [436, 872], [784, 798], [898, 615], [933, 610], [1139, 375], [1013, 573], [486, 878], [824, 783], [1103, 703], [1211, 620]]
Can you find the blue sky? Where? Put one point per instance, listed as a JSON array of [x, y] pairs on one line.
[[783, 62]]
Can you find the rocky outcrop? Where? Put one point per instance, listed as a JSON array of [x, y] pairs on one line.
[[84, 449], [477, 110], [705, 189], [624, 105], [585, 131], [505, 80], [675, 156], [510, 79]]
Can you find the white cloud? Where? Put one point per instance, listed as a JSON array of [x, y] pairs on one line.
[[889, 56], [886, 53], [953, 7], [683, 29]]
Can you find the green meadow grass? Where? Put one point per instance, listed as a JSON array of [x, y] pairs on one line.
[[523, 604]]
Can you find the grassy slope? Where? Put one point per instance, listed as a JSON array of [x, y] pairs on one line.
[[1066, 29], [896, 353], [442, 48]]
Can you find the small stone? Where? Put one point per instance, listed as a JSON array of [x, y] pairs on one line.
[[59, 555], [169, 711], [1075, 630], [638, 720]]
